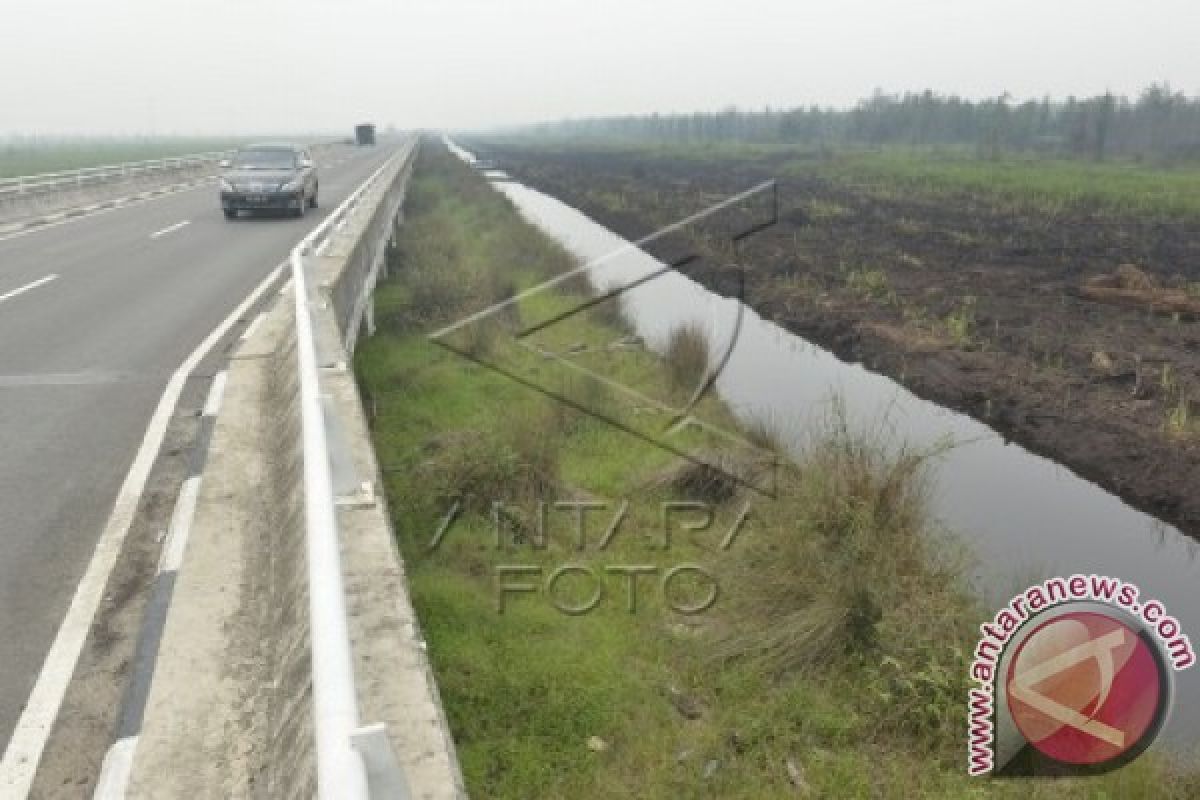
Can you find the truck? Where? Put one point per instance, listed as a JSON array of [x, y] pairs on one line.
[[364, 134]]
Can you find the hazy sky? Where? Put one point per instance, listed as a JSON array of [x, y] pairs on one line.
[[256, 66]]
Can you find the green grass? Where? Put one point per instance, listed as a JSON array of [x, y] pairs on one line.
[[27, 156], [1181, 415], [861, 697], [960, 323], [1052, 185], [872, 284]]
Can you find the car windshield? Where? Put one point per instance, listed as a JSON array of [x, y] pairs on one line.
[[275, 158]]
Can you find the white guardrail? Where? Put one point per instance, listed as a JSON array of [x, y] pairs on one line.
[[56, 181], [354, 762]]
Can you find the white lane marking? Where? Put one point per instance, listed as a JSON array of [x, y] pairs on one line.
[[253, 326], [116, 769], [181, 526], [215, 392], [171, 229], [118, 761], [27, 287], [20, 762]]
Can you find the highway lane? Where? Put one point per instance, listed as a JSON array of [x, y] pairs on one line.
[[95, 314]]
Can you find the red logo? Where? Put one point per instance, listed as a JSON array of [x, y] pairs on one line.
[[1085, 688]]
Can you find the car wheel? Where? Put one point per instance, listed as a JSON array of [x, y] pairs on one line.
[[312, 203], [230, 213]]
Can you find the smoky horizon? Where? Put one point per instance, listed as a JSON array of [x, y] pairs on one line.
[[143, 68]]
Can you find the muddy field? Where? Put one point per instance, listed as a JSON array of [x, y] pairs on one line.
[[1076, 334]]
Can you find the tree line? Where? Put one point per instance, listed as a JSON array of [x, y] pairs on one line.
[[1160, 125]]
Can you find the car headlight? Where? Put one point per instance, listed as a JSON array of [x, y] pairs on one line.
[[226, 186], [292, 186]]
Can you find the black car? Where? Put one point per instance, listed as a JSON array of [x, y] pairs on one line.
[[269, 177]]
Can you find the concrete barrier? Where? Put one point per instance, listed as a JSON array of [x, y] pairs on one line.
[[18, 208], [229, 712]]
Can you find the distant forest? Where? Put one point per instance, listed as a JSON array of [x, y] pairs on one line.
[[1160, 125]]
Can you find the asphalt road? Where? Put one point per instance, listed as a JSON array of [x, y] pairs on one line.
[[95, 315]]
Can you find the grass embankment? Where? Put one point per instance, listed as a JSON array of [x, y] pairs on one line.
[[832, 662], [33, 156]]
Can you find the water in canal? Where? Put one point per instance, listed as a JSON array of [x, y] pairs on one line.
[[1025, 517]]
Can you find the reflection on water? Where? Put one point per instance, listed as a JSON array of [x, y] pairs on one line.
[[1025, 517]]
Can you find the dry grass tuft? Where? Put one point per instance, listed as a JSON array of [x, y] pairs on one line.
[[764, 432], [844, 554], [707, 479], [517, 465], [687, 357], [1131, 277]]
